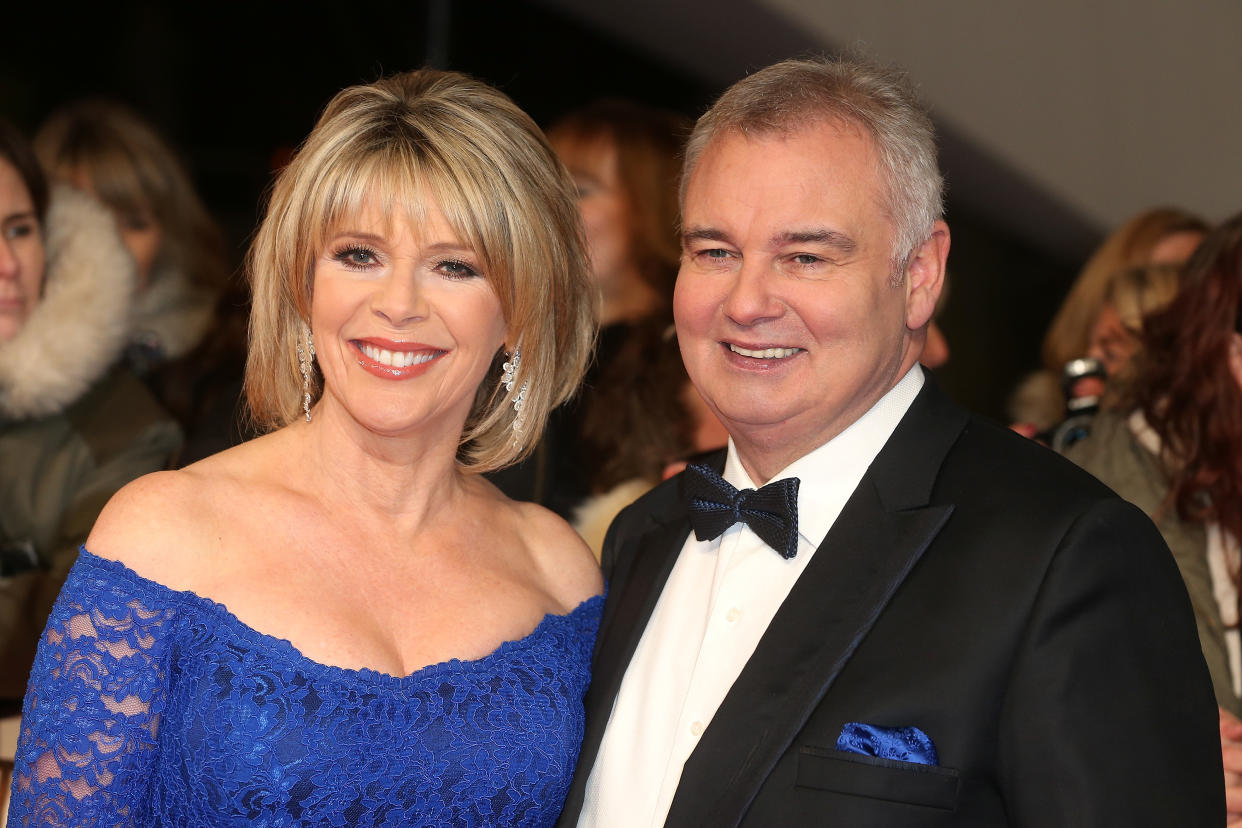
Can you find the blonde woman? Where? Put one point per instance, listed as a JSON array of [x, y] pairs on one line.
[[341, 622]]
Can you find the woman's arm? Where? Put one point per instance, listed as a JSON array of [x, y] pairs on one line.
[[92, 710]]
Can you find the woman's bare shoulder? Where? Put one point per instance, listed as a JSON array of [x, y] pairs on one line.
[[164, 522], [566, 564]]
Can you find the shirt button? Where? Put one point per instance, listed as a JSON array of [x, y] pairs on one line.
[[733, 614], [697, 728]]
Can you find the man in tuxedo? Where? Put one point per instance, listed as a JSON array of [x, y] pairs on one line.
[[874, 609]]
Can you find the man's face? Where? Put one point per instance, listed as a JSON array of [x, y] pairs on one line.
[[789, 321]]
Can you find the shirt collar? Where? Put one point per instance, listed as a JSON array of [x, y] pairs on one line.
[[829, 474]]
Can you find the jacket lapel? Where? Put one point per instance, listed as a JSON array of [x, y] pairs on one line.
[[880, 535], [643, 564]]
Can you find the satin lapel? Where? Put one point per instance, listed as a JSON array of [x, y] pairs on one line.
[[654, 553], [880, 535], [632, 597]]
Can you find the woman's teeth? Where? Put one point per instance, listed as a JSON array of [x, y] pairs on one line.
[[397, 359]]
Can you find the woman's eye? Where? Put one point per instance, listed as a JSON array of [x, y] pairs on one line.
[[457, 269], [20, 230], [356, 258], [136, 222]]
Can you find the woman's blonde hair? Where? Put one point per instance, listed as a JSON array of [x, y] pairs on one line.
[[455, 140], [1129, 245], [1137, 292], [134, 171]]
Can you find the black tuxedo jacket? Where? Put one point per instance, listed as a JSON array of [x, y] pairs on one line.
[[976, 586]]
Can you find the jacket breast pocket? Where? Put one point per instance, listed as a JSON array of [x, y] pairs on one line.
[[870, 776]]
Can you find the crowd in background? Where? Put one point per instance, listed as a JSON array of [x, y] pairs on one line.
[[122, 347]]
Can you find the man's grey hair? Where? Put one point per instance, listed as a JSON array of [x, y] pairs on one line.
[[794, 94]]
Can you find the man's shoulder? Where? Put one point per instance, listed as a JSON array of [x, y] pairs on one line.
[[990, 457]]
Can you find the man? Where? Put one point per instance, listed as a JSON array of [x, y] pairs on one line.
[[957, 627]]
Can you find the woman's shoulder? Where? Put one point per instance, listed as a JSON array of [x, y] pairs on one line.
[[562, 560], [163, 524]]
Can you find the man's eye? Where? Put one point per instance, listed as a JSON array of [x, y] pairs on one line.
[[806, 259], [715, 253]]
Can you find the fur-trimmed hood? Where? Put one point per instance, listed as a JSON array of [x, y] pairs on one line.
[[172, 314], [82, 323]]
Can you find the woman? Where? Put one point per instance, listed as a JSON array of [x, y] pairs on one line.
[[75, 426], [107, 150], [1116, 335], [340, 622], [625, 161], [1177, 450], [623, 158], [1159, 236]]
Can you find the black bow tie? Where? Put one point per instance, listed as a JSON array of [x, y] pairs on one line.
[[771, 511]]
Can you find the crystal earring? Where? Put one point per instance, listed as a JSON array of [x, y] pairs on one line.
[[305, 357], [508, 379]]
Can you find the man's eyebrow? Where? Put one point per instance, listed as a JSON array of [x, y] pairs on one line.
[[830, 238], [703, 234]]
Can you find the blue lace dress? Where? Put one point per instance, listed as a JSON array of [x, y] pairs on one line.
[[149, 707]]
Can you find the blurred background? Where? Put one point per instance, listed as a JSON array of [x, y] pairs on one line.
[[1058, 120]]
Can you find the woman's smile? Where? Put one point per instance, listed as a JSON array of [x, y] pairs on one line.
[[395, 360]]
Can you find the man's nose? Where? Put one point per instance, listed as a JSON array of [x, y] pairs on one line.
[[750, 299], [400, 299]]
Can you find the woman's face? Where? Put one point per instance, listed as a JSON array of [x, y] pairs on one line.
[[604, 205], [1175, 249], [405, 322], [1111, 342], [140, 230], [21, 253]]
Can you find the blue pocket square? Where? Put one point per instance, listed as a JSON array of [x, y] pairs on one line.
[[905, 744]]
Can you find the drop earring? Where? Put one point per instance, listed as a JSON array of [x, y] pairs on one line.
[[306, 356], [508, 379]]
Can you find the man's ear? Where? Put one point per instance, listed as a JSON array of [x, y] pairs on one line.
[[925, 276]]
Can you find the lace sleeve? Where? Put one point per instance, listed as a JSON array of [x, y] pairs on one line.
[[92, 709]]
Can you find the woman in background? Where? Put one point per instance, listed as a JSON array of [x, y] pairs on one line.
[[1176, 453], [1160, 236], [107, 150], [624, 160], [341, 622], [75, 425]]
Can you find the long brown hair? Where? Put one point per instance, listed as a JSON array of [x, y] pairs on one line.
[[648, 144], [1186, 389]]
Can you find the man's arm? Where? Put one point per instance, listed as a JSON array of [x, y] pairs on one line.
[[1109, 717]]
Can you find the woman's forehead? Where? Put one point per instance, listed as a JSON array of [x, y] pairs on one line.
[[389, 214]]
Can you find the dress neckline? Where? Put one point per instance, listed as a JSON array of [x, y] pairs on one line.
[[283, 647]]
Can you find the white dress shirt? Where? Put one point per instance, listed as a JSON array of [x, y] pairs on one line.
[[718, 601]]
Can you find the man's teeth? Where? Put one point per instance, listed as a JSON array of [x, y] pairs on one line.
[[765, 353], [397, 359]]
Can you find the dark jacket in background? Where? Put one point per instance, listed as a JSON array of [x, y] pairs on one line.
[[75, 425]]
